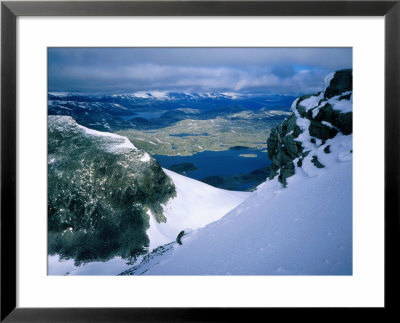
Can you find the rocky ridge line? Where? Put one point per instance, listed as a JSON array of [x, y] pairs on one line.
[[322, 115]]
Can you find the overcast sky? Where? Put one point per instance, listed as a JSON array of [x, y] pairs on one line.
[[241, 70]]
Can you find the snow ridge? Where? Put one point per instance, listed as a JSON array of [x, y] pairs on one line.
[[126, 143]]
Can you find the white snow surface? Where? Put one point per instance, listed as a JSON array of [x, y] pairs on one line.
[[59, 267], [329, 78], [232, 95], [196, 205], [312, 101], [151, 94], [125, 142], [342, 105], [304, 229], [145, 157]]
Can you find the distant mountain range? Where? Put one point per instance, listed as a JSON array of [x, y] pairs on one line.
[[137, 97], [153, 110]]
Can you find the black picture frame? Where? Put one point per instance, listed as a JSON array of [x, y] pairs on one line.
[[10, 10]]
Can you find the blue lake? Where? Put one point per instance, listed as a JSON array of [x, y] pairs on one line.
[[218, 163], [145, 115]]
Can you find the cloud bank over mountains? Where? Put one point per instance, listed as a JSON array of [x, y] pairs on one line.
[[244, 70]]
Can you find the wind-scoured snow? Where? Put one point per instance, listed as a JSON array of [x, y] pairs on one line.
[[125, 142], [329, 78], [339, 105], [145, 158], [293, 108], [312, 101], [342, 105]]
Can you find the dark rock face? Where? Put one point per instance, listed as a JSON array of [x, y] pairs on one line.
[[238, 148], [182, 168], [321, 131], [316, 162], [341, 82], [99, 191], [342, 121], [345, 123], [242, 182], [300, 109], [284, 149]]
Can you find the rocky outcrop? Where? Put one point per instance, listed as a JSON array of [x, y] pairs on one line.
[[100, 191], [340, 83], [317, 118], [283, 148]]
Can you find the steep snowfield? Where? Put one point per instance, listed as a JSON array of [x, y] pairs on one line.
[[196, 205], [304, 229]]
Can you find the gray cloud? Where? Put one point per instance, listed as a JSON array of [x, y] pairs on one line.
[[263, 70]]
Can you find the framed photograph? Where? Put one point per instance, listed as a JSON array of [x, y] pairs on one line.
[[197, 160]]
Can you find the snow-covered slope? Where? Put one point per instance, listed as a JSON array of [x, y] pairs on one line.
[[304, 228], [196, 205]]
